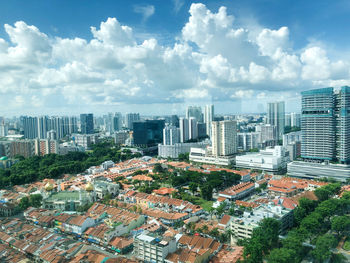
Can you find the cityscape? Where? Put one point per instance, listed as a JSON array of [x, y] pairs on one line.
[[130, 160]]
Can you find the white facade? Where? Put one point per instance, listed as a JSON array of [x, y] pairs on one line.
[[204, 156], [208, 118], [291, 137], [171, 135], [192, 128], [184, 135], [150, 249], [224, 138], [276, 116], [248, 140], [271, 160], [173, 151]]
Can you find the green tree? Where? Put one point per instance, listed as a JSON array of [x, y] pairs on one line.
[[193, 187], [206, 191], [35, 200], [282, 255], [324, 244], [340, 224], [24, 203]]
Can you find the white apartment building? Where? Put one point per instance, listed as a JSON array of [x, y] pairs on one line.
[[152, 249], [224, 138]]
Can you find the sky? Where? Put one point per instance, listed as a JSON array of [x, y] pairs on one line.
[[64, 57]]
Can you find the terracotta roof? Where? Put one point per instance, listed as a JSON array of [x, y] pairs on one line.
[[225, 219], [164, 191], [246, 204]]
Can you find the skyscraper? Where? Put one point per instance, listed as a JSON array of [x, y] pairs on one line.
[[325, 124], [192, 128], [195, 112], [171, 135], [184, 135], [130, 119], [30, 127], [148, 132], [87, 123], [224, 137], [208, 117], [295, 119], [276, 116]]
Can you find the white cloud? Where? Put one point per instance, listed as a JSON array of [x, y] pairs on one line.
[[178, 4], [145, 10], [212, 59]]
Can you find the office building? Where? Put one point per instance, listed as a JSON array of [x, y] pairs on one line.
[[276, 116], [287, 120], [194, 112], [85, 140], [192, 128], [291, 137], [174, 121], [87, 123], [224, 138], [148, 132], [295, 119], [326, 124], [171, 135], [130, 118], [201, 130], [208, 118], [248, 140], [184, 131]]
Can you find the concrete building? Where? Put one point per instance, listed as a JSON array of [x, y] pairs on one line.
[[173, 151], [153, 249], [326, 125], [87, 123], [192, 128], [243, 226], [184, 130], [171, 135], [295, 119], [291, 137], [195, 112], [276, 116], [85, 140], [148, 132], [224, 138], [270, 160], [46, 146], [248, 140], [208, 118], [311, 170], [205, 155], [268, 133], [130, 118], [121, 136]]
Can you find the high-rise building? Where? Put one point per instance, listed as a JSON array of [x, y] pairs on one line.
[[192, 128], [195, 112], [208, 117], [287, 120], [30, 127], [268, 133], [325, 124], [87, 123], [148, 132], [171, 135], [276, 116], [3, 128], [72, 125], [224, 138], [202, 130], [130, 118], [43, 123], [174, 121], [46, 146], [184, 132], [295, 119]]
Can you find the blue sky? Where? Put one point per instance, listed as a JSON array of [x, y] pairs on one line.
[[314, 35]]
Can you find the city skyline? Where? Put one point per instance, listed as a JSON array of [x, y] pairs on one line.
[[124, 59]]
